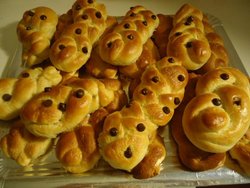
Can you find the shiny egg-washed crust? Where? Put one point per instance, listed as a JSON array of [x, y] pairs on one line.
[[187, 40], [15, 92], [73, 47], [190, 156], [124, 44], [23, 147], [219, 115], [241, 152], [35, 31], [65, 106], [219, 56]]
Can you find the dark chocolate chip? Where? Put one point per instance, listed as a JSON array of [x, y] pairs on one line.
[[84, 16], [113, 131], [31, 13], [126, 25], [78, 31], [28, 28], [90, 1], [224, 76], [181, 78], [47, 89], [47, 103], [153, 17], [43, 17], [177, 101], [131, 37], [144, 91], [166, 110], [109, 44], [145, 23], [85, 50], [216, 101], [25, 75], [140, 127], [61, 47], [98, 14], [171, 60], [6, 97], [78, 7], [189, 20], [79, 93], [128, 153], [189, 45], [178, 34], [237, 101], [132, 14], [155, 79], [62, 107]]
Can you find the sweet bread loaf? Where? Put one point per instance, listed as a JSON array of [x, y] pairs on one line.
[[241, 152], [63, 107], [35, 31], [218, 116], [187, 40], [190, 156], [124, 44], [73, 48], [23, 147], [15, 92]]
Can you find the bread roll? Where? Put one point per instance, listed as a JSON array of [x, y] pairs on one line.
[[35, 31], [16, 92], [218, 116], [23, 147], [124, 44]]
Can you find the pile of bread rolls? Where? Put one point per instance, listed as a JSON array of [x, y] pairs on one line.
[[96, 86]]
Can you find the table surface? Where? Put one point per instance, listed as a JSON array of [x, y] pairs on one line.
[[234, 14]]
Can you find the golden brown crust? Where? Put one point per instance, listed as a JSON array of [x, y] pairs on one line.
[[218, 116], [15, 92], [124, 44], [23, 147], [35, 31]]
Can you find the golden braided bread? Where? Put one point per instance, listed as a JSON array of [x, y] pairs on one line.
[[187, 40], [35, 31], [64, 106], [73, 47], [15, 92], [219, 115], [23, 147], [124, 44]]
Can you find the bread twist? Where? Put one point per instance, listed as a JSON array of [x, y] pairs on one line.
[[124, 44], [218, 116], [35, 31], [73, 47], [190, 156], [187, 40], [23, 147], [15, 92], [64, 106]]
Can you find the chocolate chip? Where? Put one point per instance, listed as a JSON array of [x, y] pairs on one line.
[[171, 60], [62, 107], [224, 76], [155, 79], [79, 93], [153, 17], [145, 23], [31, 13], [128, 105], [90, 1], [178, 34], [47, 89], [126, 25], [85, 50], [189, 20], [109, 44], [189, 45], [28, 28], [113, 131], [216, 101], [25, 75], [177, 101], [98, 14], [181, 78], [47, 103], [237, 101], [84, 16], [131, 37], [128, 153], [43, 17], [78, 31], [140, 127], [132, 14], [6, 97], [61, 47], [78, 7], [166, 110], [144, 91]]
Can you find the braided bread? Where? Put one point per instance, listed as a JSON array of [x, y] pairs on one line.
[[22, 146], [187, 40], [191, 156], [64, 106], [15, 92], [218, 116], [124, 44], [241, 152], [35, 31], [73, 48]]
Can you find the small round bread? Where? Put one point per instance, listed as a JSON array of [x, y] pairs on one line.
[[15, 92], [219, 115], [23, 147], [35, 31]]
